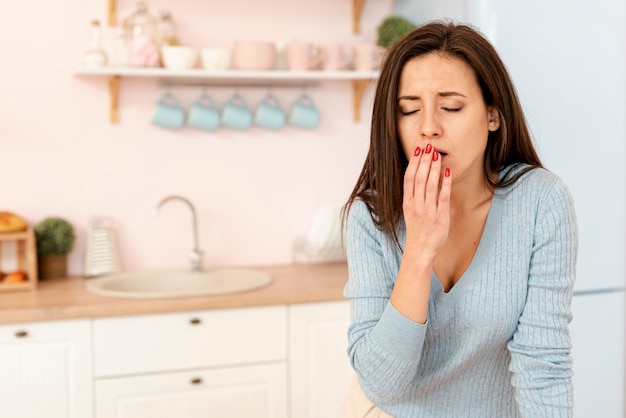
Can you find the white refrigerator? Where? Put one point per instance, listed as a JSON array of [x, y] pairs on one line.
[[568, 61]]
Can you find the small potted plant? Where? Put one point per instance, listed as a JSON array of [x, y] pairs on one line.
[[54, 239], [392, 29]]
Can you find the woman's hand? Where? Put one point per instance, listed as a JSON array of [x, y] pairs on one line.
[[426, 204]]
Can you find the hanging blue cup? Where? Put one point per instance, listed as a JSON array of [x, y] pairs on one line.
[[236, 114], [168, 113], [304, 114], [204, 114]]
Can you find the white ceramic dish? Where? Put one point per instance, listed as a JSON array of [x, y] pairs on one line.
[[179, 57]]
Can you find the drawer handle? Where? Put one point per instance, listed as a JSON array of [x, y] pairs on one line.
[[21, 334], [195, 321], [196, 381]]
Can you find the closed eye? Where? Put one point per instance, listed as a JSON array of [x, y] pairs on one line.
[[408, 112], [451, 109]]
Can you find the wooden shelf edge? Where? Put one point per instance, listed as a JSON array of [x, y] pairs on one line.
[[14, 236]]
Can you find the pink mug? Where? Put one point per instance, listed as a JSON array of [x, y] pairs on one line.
[[334, 57], [302, 56]]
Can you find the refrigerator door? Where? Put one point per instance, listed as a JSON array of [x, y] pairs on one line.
[[568, 62], [598, 350]]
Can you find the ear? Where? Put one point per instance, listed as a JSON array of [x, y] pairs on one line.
[[494, 118]]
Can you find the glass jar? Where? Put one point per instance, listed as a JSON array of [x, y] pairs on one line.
[[140, 37], [166, 30], [95, 56]]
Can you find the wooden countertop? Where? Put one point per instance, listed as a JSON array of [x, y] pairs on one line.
[[69, 299]]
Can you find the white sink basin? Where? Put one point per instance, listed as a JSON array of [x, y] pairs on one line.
[[178, 283]]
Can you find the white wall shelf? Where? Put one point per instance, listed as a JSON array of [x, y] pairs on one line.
[[359, 79]]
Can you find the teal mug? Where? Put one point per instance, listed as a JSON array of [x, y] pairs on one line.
[[304, 114], [269, 113], [168, 113], [236, 114], [204, 114]]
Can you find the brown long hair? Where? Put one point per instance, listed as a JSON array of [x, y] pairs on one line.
[[380, 183]]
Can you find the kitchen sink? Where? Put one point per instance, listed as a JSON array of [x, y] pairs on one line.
[[178, 283]]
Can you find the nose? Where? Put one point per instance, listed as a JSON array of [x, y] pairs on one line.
[[431, 126]]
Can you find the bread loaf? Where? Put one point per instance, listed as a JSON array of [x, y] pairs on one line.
[[9, 222], [16, 277]]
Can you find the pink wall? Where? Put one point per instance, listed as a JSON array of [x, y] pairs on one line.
[[255, 192]]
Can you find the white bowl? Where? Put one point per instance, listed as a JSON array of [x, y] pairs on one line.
[[215, 59], [179, 57]]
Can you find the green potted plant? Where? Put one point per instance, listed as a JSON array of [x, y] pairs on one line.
[[54, 239], [392, 29]]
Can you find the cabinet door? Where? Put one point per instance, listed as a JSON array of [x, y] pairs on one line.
[[598, 353], [320, 369], [253, 391], [46, 370], [189, 340]]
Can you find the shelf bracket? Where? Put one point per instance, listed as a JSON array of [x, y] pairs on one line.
[[111, 13], [358, 91], [114, 88], [357, 8]]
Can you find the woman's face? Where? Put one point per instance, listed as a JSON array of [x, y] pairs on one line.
[[440, 103]]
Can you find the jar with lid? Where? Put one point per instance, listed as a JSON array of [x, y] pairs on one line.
[[140, 37], [166, 30], [95, 56]]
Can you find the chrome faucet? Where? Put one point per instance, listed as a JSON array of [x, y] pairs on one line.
[[196, 254]]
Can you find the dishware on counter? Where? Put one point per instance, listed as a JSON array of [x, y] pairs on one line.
[[236, 114], [302, 56], [204, 114], [101, 256], [178, 57], [254, 55], [304, 113], [216, 59], [269, 113], [168, 113], [368, 57]]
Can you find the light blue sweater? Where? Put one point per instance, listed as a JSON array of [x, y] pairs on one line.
[[497, 344]]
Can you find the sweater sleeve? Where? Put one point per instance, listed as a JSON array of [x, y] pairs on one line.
[[383, 345], [541, 362]]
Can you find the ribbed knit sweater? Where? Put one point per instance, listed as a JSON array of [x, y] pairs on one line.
[[497, 344]]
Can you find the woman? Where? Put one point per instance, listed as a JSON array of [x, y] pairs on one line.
[[461, 247]]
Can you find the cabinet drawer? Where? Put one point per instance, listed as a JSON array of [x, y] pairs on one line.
[[250, 391], [149, 343]]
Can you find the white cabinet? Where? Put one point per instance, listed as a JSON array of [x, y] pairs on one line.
[[218, 363], [320, 369], [251, 391], [175, 341], [46, 370]]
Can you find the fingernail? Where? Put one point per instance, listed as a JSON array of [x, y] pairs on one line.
[[429, 148], [447, 173], [417, 151], [435, 156]]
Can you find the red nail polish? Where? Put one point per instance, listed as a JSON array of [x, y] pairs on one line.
[[429, 148], [417, 151], [435, 156], [447, 173]]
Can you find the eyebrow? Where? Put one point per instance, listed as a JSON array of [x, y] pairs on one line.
[[440, 94]]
